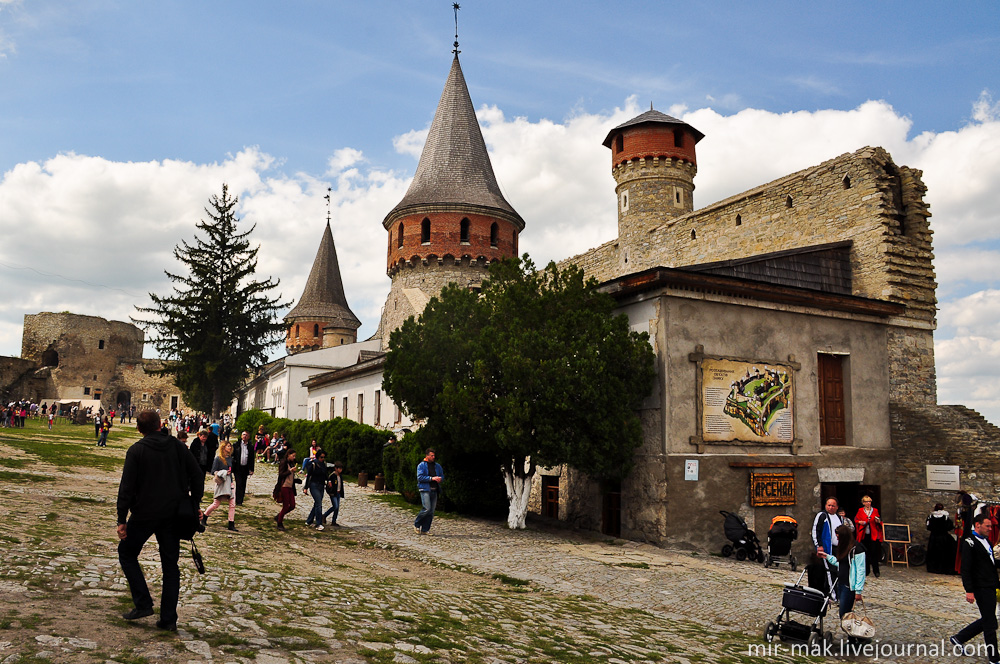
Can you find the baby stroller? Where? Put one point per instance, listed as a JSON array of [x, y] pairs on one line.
[[744, 541], [804, 601], [784, 530]]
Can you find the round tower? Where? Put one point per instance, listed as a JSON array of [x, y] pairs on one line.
[[653, 162], [453, 220]]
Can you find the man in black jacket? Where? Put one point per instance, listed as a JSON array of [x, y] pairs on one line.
[[243, 457], [980, 580], [203, 447], [159, 472]]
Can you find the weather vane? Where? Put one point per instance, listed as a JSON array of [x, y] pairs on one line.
[[456, 7], [327, 197]]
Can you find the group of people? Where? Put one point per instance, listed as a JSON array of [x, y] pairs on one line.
[[190, 423], [15, 413]]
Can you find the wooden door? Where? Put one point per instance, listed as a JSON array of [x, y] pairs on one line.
[[831, 400]]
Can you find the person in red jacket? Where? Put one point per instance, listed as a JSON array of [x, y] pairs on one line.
[[869, 525]]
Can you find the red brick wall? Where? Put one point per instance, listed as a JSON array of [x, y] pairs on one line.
[[445, 239], [652, 141], [305, 338]]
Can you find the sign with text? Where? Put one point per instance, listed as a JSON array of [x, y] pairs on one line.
[[943, 478], [746, 401], [772, 489]]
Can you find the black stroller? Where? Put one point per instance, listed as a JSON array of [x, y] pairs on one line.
[[784, 530], [744, 541], [806, 602]]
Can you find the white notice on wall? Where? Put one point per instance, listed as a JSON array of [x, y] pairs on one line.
[[943, 478], [691, 470]]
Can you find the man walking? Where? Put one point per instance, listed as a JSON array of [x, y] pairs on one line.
[[980, 580], [243, 457], [429, 478], [824, 535], [159, 472]]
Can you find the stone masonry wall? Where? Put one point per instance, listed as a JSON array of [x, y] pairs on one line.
[[946, 436]]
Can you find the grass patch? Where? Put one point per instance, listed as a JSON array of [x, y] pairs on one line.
[[23, 478], [14, 463], [510, 580], [634, 565]]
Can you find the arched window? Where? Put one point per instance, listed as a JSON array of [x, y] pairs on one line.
[[678, 138], [619, 143], [694, 236], [788, 201], [296, 332], [514, 242], [399, 238], [315, 330], [425, 231], [494, 234], [739, 220], [847, 182], [465, 230]]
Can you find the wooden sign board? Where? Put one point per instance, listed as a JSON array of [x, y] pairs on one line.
[[897, 536], [772, 489]]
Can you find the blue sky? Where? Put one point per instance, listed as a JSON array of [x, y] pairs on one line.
[[119, 119]]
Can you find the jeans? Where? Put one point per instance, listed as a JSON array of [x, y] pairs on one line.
[[428, 500], [846, 597], [138, 532], [335, 509], [316, 514]]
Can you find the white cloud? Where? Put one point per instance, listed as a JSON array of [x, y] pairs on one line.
[[115, 224]]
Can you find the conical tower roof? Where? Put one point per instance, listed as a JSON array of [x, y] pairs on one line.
[[323, 297], [653, 117], [454, 166]]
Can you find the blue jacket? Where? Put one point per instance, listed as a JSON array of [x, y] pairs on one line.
[[424, 475], [856, 579]]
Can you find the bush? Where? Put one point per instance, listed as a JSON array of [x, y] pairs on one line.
[[357, 446]]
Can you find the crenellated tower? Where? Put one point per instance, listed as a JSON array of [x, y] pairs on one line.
[[321, 318], [654, 163], [453, 220]]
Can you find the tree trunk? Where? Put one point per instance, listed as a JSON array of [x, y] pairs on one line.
[[518, 482]]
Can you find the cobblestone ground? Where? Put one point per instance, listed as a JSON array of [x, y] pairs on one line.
[[376, 591]]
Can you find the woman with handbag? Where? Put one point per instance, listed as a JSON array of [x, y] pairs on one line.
[[850, 564], [222, 470], [869, 528]]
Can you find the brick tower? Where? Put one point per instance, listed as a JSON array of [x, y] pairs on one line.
[[321, 318], [453, 220], [653, 162]]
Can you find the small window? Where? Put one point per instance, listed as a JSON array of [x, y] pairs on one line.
[[296, 332], [514, 242], [494, 234], [677, 196], [619, 143], [86, 390], [344, 408], [678, 138], [465, 231], [694, 236], [847, 182], [145, 396], [361, 408], [100, 345], [378, 407], [399, 238], [625, 201], [425, 231], [739, 220], [788, 201], [95, 376], [315, 330], [333, 407]]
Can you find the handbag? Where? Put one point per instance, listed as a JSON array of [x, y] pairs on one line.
[[186, 516], [857, 624]]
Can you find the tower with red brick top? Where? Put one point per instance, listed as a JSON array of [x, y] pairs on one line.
[[653, 162], [453, 220]]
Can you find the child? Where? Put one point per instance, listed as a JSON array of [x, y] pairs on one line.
[[335, 489]]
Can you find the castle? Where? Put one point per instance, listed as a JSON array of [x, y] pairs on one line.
[[824, 276]]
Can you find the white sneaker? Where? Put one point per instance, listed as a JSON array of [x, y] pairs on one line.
[[320, 527]]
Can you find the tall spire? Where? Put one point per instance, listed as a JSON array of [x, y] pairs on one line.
[[323, 297], [454, 166]]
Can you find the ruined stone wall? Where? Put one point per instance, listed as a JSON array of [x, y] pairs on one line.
[[146, 389], [945, 436], [21, 379]]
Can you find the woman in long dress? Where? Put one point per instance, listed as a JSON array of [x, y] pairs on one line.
[[940, 544]]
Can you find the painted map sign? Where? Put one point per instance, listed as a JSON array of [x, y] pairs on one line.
[[772, 489], [750, 402]]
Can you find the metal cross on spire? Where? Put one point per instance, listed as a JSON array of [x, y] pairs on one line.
[[327, 197], [456, 6]]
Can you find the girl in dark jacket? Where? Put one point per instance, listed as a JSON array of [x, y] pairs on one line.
[[285, 488]]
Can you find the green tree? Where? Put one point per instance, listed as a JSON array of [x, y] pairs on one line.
[[219, 322], [535, 370]]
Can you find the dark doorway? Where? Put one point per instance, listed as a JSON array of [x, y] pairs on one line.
[[124, 398], [848, 495], [550, 496], [173, 403], [611, 512]]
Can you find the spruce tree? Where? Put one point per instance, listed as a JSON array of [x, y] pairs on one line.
[[219, 322]]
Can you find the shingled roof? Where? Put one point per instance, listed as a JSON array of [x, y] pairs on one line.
[[323, 297], [652, 117], [454, 166]]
